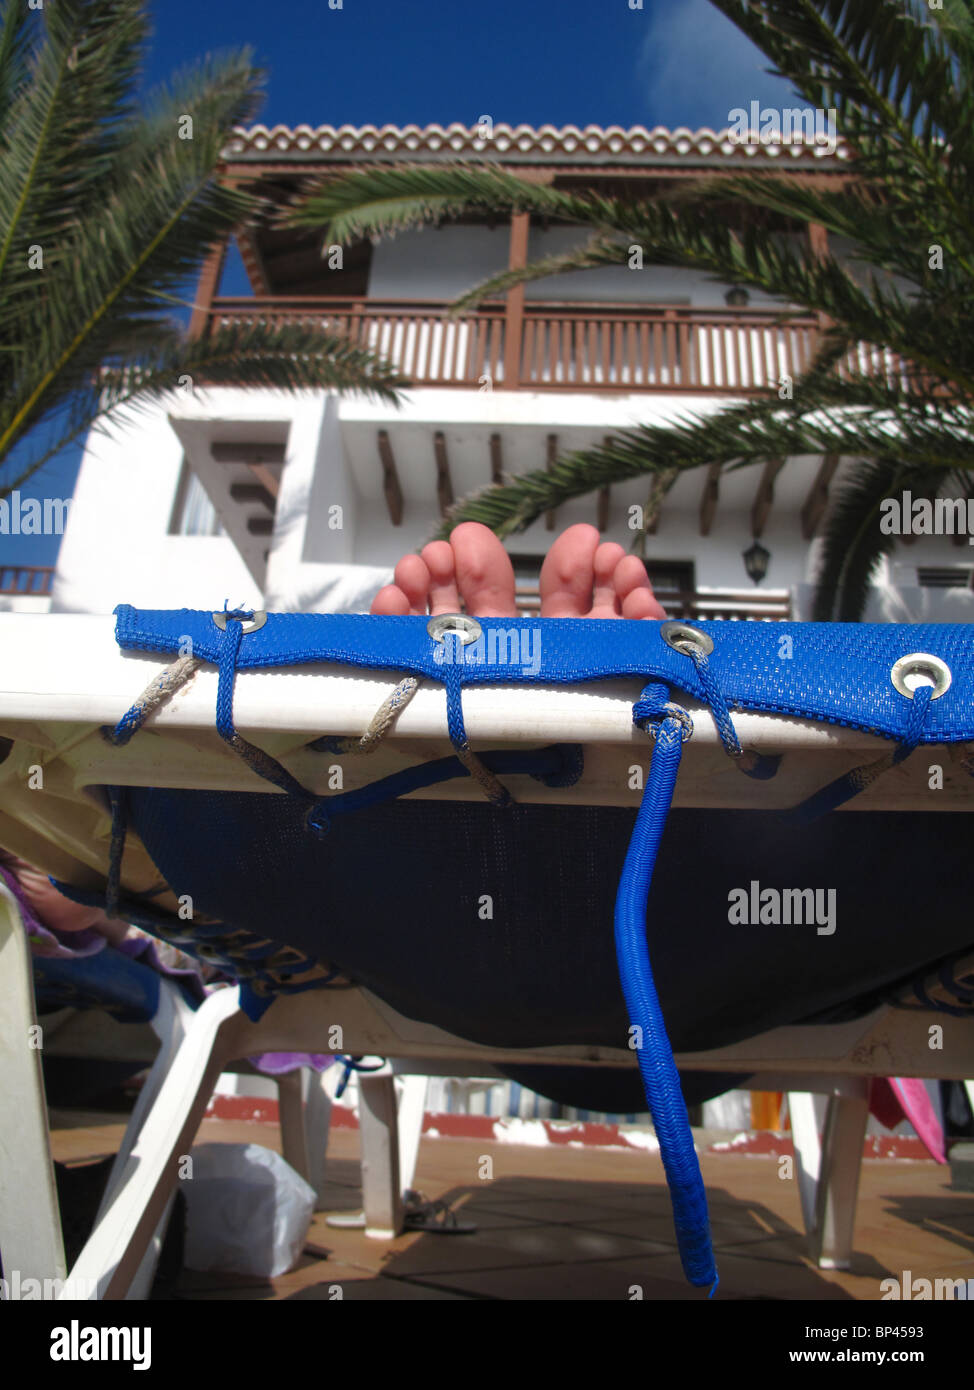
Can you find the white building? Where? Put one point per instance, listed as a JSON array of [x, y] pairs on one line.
[[266, 499]]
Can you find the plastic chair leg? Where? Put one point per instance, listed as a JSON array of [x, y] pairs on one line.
[[30, 1221], [111, 1258], [838, 1185], [381, 1185]]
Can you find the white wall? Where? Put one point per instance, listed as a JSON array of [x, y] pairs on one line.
[[437, 263], [441, 264], [117, 547], [651, 285]]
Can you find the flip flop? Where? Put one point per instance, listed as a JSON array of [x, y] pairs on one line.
[[436, 1218]]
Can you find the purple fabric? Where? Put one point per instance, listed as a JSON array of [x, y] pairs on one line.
[[50, 944], [44, 941], [53, 944], [279, 1063]]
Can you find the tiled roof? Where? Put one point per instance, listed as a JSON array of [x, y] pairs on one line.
[[547, 143]]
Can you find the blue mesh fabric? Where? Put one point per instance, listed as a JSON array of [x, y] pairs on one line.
[[392, 896], [838, 672]]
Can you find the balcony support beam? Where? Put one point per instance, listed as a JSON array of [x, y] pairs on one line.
[[604, 495], [496, 460], [551, 454], [764, 499], [818, 496], [708, 502], [206, 288], [390, 478], [514, 313], [444, 483], [228, 451]]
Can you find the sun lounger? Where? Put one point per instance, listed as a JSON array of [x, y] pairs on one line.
[[467, 895]]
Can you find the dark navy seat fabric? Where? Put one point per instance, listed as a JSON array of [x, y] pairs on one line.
[[392, 895]]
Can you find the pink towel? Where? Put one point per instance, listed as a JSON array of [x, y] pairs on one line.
[[889, 1099]]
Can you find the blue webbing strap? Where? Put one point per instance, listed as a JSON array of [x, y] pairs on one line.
[[661, 1080]]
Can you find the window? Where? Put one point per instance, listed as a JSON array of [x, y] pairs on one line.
[[946, 577], [671, 579], [193, 513]]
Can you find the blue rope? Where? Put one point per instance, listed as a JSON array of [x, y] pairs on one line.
[[761, 766], [256, 759], [661, 1080], [496, 793], [559, 765], [851, 783], [351, 1064]]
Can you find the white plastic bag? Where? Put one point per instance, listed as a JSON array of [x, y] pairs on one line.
[[248, 1211]]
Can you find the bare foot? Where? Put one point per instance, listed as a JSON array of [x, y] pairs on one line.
[[580, 578]]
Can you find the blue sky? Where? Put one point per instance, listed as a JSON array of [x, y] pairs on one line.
[[673, 62]]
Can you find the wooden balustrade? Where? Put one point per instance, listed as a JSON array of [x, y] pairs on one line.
[[575, 347], [35, 580], [729, 604]]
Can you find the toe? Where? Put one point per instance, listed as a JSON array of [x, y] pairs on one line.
[[634, 590], [413, 578], [568, 573], [390, 601], [605, 600], [485, 575], [443, 594]]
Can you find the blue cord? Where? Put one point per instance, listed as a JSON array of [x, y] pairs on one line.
[[850, 784], [351, 1064], [558, 765], [661, 1080]]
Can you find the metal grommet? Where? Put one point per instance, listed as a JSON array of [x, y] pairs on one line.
[[936, 671], [455, 624], [248, 624], [683, 638]]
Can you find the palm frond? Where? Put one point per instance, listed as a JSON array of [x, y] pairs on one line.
[[850, 418], [852, 542], [282, 357], [60, 129], [381, 201]]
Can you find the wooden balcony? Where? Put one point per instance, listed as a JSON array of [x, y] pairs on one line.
[[733, 605], [603, 348], [33, 580]]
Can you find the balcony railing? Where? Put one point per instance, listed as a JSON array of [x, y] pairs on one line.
[[35, 580], [606, 347], [730, 604]]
